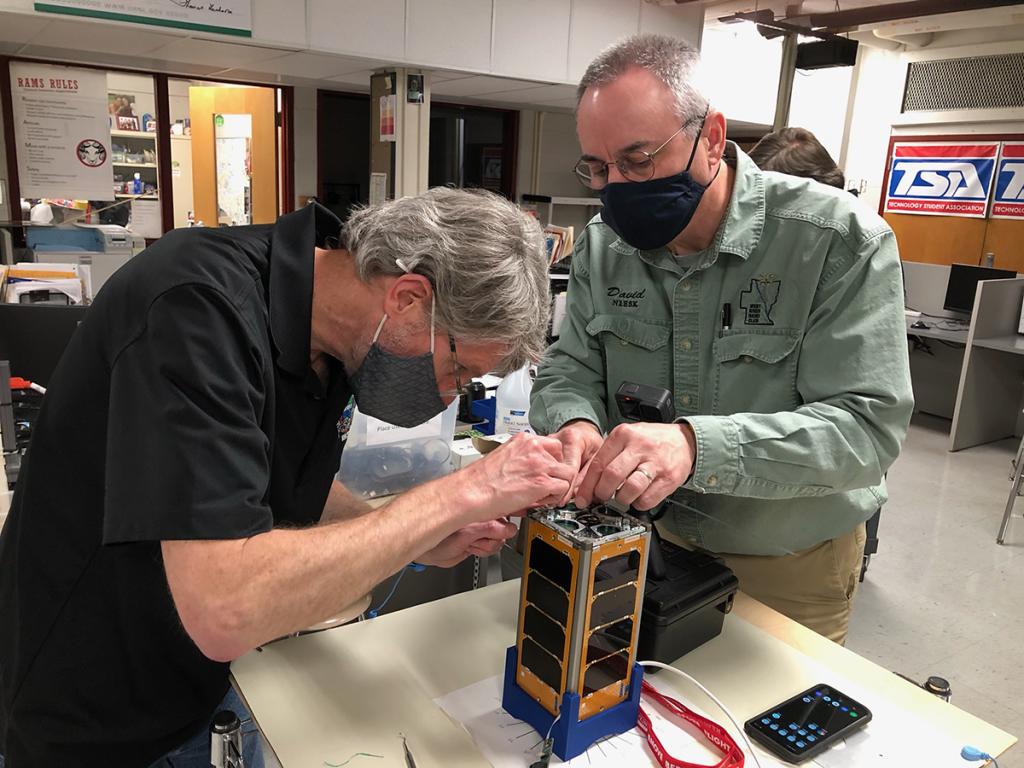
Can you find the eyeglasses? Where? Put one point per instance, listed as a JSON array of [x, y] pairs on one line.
[[455, 368], [634, 166]]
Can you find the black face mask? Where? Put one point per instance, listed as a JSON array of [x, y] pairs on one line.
[[651, 214], [399, 390]]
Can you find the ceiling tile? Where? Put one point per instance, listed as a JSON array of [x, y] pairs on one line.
[[314, 65], [144, 63], [86, 35], [481, 86], [539, 94], [569, 103], [215, 53], [441, 75], [20, 28], [360, 79]]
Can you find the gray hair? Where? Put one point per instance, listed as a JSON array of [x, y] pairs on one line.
[[673, 62], [485, 258]]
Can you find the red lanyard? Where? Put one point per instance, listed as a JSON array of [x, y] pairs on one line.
[[732, 755]]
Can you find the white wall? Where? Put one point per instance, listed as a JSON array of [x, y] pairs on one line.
[[879, 79], [545, 40], [525, 155], [820, 102], [549, 41], [741, 72], [551, 173], [177, 97], [877, 93], [559, 151]]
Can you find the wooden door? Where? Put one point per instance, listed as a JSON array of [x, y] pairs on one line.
[[205, 102], [938, 239]]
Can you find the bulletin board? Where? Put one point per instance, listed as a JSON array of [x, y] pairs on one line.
[[939, 239]]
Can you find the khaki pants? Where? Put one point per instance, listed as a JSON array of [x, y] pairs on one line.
[[814, 587]]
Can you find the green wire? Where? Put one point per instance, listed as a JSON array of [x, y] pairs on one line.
[[357, 754]]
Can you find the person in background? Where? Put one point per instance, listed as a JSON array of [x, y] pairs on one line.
[[798, 152], [770, 307]]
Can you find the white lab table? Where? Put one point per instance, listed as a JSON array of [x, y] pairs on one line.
[[326, 696]]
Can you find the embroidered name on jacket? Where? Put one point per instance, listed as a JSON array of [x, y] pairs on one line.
[[627, 299], [760, 299]]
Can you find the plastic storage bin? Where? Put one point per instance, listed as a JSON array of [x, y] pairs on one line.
[[381, 459]]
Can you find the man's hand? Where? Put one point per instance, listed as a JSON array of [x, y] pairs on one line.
[[580, 441], [480, 539], [525, 472], [639, 464]]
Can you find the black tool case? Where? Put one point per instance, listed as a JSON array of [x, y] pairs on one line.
[[686, 608]]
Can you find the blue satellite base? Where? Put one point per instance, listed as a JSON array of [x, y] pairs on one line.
[[571, 736]]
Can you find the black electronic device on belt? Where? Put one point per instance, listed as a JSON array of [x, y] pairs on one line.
[[640, 402], [687, 593]]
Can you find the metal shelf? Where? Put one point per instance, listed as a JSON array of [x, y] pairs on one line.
[[133, 134], [551, 201]]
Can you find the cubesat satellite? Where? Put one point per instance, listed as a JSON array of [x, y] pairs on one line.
[[572, 672]]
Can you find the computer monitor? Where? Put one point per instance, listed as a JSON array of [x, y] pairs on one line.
[[33, 337], [963, 284]]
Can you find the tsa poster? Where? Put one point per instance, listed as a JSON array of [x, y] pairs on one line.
[[1008, 200], [62, 131], [941, 178]]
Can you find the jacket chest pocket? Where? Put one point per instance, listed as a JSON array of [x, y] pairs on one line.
[[756, 371], [634, 350]]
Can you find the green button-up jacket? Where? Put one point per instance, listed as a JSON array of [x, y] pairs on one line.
[[799, 407]]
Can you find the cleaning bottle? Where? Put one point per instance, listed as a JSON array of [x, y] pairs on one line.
[[512, 411]]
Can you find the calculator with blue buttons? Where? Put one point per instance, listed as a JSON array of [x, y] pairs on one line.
[[807, 724]]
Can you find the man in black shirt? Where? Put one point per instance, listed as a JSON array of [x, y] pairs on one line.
[[177, 507]]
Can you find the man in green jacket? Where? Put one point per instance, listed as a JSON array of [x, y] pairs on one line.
[[770, 306]]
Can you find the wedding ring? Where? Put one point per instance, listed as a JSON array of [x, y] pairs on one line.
[[645, 473]]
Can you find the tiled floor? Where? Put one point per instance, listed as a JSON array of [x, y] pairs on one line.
[[941, 597]]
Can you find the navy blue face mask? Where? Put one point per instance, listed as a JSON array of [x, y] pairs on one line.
[[651, 214]]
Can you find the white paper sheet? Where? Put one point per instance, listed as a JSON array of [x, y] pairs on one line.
[[507, 742], [896, 739], [146, 219]]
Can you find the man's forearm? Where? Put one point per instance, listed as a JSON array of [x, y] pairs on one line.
[[231, 595], [342, 504], [278, 582]]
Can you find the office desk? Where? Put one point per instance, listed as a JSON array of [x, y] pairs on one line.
[[988, 404], [1013, 344], [941, 334], [935, 372], [985, 401], [327, 696]]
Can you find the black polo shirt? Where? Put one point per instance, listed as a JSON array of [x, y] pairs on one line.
[[184, 408]]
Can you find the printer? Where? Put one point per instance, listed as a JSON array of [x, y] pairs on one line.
[[104, 248]]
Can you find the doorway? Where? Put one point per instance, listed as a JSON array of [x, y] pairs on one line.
[[225, 153], [343, 151], [473, 147]]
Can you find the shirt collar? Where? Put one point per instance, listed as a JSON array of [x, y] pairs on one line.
[[295, 236], [744, 221], [740, 230]]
